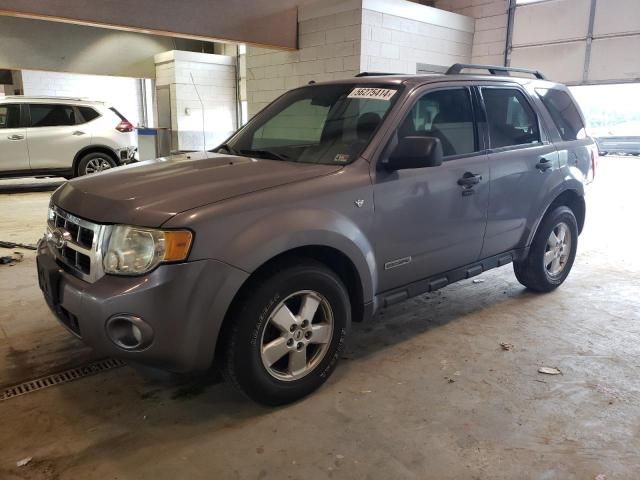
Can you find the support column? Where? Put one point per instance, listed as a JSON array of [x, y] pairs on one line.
[[197, 91]]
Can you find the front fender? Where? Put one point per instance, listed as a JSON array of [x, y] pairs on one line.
[[279, 233]]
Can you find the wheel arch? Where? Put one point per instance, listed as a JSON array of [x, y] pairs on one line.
[[94, 149], [334, 259], [571, 198]]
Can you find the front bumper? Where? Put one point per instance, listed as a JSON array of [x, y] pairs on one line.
[[184, 304]]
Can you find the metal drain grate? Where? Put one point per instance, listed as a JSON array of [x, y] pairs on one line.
[[61, 377]]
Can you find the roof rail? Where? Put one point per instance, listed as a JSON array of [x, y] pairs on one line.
[[493, 70], [375, 74], [50, 97]]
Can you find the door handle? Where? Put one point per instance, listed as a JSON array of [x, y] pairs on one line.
[[77, 133], [543, 165], [469, 179], [16, 137]]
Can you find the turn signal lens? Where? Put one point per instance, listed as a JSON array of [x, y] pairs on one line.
[[176, 245]]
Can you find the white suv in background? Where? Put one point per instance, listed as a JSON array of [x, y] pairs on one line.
[[62, 137]]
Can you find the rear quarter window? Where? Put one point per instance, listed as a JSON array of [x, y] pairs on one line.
[[87, 114], [564, 112]]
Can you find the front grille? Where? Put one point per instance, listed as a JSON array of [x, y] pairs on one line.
[[75, 242]]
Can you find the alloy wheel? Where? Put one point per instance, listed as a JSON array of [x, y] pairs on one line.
[[297, 335], [558, 249], [96, 165]]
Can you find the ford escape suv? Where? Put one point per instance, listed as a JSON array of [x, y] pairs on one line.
[[50, 136], [336, 200]]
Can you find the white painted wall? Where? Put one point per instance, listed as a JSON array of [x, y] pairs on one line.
[[194, 78], [61, 47], [329, 40], [121, 92], [490, 36], [339, 39], [396, 35]]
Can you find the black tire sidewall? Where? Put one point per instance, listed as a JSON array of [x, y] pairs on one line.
[[82, 164], [244, 362], [559, 215]]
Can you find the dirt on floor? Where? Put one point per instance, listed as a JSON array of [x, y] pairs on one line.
[[443, 386]]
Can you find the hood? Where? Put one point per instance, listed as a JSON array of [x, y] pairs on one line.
[[151, 192]]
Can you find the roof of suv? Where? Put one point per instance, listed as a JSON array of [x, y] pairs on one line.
[[421, 79], [45, 99], [454, 74]]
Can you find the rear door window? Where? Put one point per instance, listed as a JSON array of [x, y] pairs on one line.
[[564, 113], [511, 120], [45, 115], [10, 116]]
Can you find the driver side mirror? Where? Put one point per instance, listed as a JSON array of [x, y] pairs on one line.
[[415, 152]]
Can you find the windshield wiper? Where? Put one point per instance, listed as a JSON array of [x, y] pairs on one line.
[[268, 154], [227, 147]]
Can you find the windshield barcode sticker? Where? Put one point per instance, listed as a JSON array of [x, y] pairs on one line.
[[373, 93]]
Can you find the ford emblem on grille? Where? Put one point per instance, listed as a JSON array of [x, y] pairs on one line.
[[58, 238]]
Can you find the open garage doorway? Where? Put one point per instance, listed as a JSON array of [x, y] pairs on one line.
[[613, 119], [612, 116]]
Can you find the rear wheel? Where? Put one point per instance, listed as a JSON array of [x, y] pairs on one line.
[[286, 337], [552, 252], [94, 163]]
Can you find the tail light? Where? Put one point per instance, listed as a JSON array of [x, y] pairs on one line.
[[124, 126]]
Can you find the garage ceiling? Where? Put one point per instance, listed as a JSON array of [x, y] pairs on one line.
[[250, 21], [579, 41]]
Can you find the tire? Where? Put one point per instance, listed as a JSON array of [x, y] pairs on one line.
[[534, 271], [262, 319], [94, 163]]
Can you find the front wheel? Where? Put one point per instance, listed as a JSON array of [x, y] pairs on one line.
[[552, 252], [286, 336]]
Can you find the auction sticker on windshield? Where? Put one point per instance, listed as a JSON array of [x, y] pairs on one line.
[[373, 93]]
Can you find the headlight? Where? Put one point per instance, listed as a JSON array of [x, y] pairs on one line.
[[134, 250]]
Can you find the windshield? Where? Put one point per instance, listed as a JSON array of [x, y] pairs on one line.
[[328, 124]]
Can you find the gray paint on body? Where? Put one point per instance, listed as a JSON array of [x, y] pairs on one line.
[[244, 212]]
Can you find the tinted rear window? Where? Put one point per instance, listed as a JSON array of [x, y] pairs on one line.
[[564, 112], [87, 114], [511, 119]]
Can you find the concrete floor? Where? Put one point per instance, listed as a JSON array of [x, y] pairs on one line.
[[424, 390]]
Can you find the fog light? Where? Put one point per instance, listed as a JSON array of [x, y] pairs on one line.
[[129, 332]]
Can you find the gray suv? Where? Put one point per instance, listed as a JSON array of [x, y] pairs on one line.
[[336, 200]]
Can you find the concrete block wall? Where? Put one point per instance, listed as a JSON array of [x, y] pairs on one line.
[[198, 80], [123, 93], [338, 39], [490, 36], [397, 35], [329, 48]]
